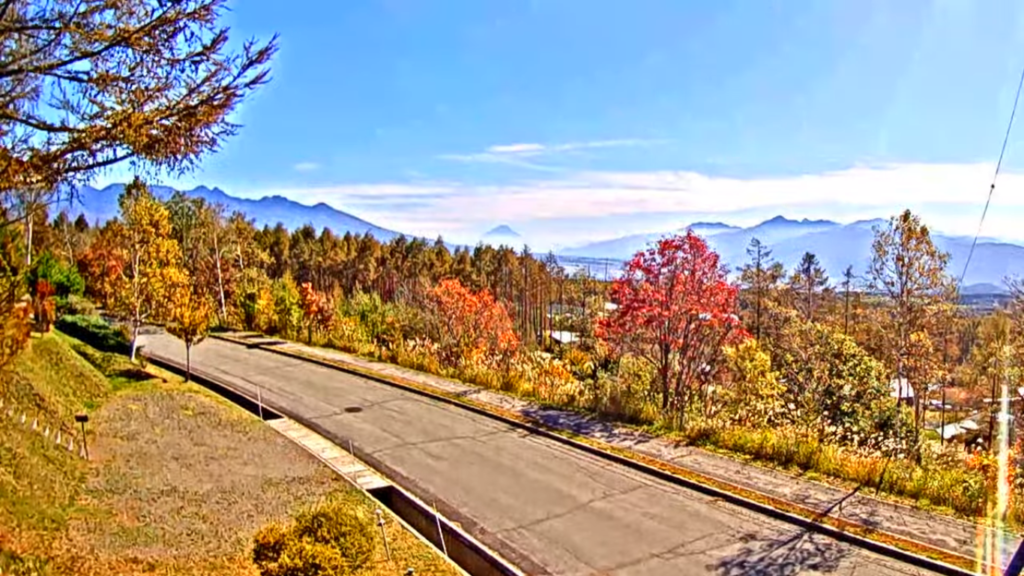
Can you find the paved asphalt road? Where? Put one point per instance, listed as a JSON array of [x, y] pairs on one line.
[[549, 508]]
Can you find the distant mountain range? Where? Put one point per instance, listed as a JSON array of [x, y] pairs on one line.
[[100, 205], [836, 245]]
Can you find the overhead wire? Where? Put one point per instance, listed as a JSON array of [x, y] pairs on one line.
[[995, 175]]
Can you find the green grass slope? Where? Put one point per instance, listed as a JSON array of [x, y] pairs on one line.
[[40, 479]]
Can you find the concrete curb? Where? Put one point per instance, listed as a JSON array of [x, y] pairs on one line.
[[500, 564], [811, 520], [369, 493]]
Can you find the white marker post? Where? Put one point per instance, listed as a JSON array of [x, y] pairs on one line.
[[440, 533], [259, 400]]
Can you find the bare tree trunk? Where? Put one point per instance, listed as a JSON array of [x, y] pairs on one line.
[[846, 314], [991, 414], [135, 339], [28, 238], [188, 361], [942, 417], [220, 282]]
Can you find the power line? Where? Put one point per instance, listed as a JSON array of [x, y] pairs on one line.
[[992, 187]]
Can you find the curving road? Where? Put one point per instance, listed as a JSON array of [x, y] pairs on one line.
[[550, 509]]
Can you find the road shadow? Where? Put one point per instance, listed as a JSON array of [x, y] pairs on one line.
[[264, 343], [584, 425], [786, 555]]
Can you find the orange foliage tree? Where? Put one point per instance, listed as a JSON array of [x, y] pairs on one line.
[[676, 310], [469, 325], [101, 264], [317, 310], [43, 306]]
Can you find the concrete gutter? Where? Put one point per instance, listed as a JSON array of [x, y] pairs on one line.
[[886, 544]]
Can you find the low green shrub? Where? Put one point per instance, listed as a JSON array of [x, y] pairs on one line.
[[75, 305], [94, 331]]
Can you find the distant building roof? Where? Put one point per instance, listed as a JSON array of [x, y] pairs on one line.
[[563, 336], [901, 389]]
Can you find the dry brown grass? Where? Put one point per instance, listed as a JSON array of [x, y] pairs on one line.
[[179, 480]]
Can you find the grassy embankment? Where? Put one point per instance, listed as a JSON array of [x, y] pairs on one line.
[[177, 482]]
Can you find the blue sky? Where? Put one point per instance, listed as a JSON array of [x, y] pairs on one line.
[[580, 119]]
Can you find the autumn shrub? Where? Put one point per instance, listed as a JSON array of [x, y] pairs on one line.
[[582, 365], [418, 354], [483, 376], [384, 324], [76, 305], [612, 397], [44, 308], [317, 312], [253, 307], [347, 334], [287, 319], [63, 278], [546, 378], [469, 327], [331, 538], [629, 393], [833, 388], [752, 394]]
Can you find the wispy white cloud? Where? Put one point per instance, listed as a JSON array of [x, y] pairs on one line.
[[520, 149], [949, 197], [517, 154], [306, 166]]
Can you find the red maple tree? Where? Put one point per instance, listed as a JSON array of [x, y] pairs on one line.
[[676, 310]]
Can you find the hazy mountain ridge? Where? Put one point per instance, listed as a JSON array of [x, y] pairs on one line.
[[836, 246], [100, 205]]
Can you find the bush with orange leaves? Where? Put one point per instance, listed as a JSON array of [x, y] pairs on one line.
[[43, 305], [987, 464], [469, 327], [317, 310]]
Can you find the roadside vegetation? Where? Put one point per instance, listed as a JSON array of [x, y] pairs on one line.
[[788, 368]]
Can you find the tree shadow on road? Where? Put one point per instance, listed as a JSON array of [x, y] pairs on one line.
[[583, 424], [786, 555]]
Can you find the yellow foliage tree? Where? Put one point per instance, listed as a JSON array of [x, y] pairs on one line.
[[190, 315], [753, 396], [151, 271], [909, 271]]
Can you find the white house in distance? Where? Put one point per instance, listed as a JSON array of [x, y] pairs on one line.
[[901, 390]]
